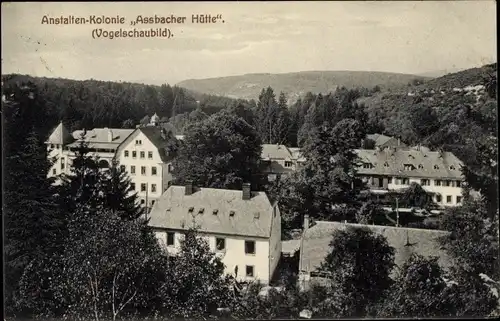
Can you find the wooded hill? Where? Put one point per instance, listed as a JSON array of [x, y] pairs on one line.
[[296, 84]]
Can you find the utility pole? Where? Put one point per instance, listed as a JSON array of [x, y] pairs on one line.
[[397, 212]]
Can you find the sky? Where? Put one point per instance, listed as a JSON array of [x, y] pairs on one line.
[[256, 37]]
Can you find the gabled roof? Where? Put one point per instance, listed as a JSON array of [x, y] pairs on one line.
[[405, 241], [171, 211], [392, 162], [153, 133], [60, 136], [105, 138], [275, 151]]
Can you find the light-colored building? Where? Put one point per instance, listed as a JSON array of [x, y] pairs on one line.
[[395, 169], [243, 227], [146, 157], [101, 143], [316, 238], [279, 160]]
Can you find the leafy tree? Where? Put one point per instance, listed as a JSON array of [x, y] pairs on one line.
[[242, 110], [145, 120], [197, 285], [416, 196], [165, 100], [473, 241], [327, 178], [129, 123], [222, 151], [359, 265], [107, 268], [368, 144]]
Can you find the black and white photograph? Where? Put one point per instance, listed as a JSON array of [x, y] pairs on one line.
[[249, 160]]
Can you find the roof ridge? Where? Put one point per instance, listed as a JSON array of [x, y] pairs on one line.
[[383, 226]]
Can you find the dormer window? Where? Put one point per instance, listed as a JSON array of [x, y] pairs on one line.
[[256, 215], [386, 164], [409, 167], [191, 209], [231, 213], [452, 167], [436, 167], [367, 165], [420, 166], [215, 211], [201, 210]]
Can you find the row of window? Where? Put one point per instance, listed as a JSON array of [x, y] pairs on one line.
[[142, 154], [144, 187], [425, 182], [449, 198], [154, 171], [220, 243]]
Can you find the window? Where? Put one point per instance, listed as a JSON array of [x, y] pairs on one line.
[[143, 170], [424, 182], [438, 198], [220, 244], [405, 181], [150, 155], [62, 165], [389, 180], [448, 199], [153, 188], [452, 167], [437, 182], [132, 170], [249, 271], [288, 164], [138, 142], [54, 171], [459, 199], [420, 166], [447, 183], [409, 167], [125, 153], [153, 170], [142, 201], [51, 146], [143, 187], [249, 247], [170, 238], [142, 154], [134, 154], [132, 186], [367, 165], [386, 164], [122, 168], [169, 168], [152, 202], [436, 167]]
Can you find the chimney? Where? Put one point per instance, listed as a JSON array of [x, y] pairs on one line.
[[163, 132], [189, 187], [246, 191], [306, 222], [110, 135]]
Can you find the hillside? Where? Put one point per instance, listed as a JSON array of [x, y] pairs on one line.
[[295, 84], [94, 103]]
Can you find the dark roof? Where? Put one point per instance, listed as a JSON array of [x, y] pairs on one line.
[[153, 133], [251, 217], [316, 243]]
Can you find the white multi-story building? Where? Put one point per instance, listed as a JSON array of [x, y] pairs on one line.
[[243, 227], [101, 143], [145, 156], [395, 169]]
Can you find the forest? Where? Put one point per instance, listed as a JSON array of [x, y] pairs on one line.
[[73, 251]]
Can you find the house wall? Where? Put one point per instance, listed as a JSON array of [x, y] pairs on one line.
[[453, 190], [234, 254], [146, 146]]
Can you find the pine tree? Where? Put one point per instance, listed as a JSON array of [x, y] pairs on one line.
[[33, 224], [117, 193]]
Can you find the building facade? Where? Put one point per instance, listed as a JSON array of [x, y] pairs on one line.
[[101, 143], [242, 227]]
